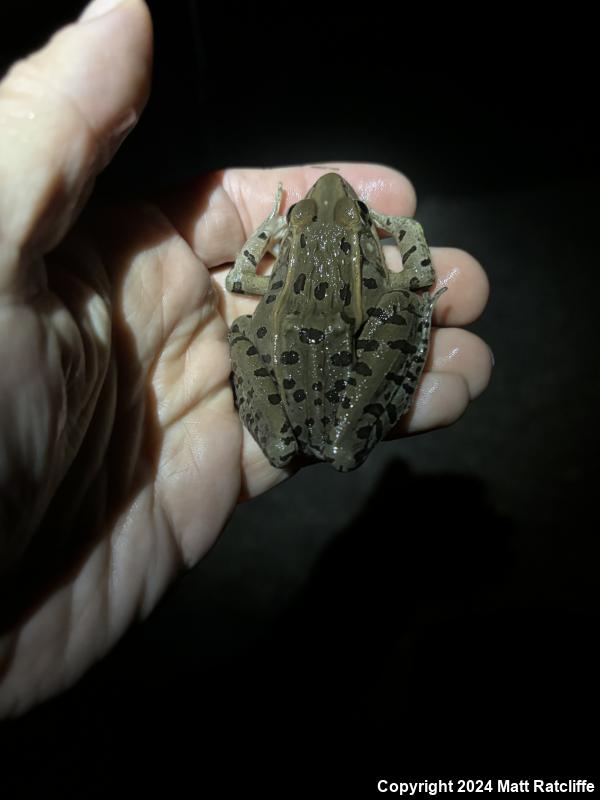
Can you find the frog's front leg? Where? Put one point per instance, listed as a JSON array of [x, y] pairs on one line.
[[417, 269], [242, 277]]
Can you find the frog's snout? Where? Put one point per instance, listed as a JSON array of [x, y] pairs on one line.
[[327, 192]]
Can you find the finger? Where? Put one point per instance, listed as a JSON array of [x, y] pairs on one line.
[[458, 370], [460, 352], [441, 399], [467, 284], [63, 112], [217, 213]]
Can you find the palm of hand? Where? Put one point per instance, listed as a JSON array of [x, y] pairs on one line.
[[133, 389], [131, 407], [121, 452]]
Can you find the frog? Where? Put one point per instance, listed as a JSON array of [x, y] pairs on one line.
[[331, 358]]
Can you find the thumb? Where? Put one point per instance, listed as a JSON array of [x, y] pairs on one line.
[[64, 110]]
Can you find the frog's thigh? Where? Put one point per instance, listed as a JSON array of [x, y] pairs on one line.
[[391, 353], [258, 398]]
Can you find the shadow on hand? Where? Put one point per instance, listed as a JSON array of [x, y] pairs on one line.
[[119, 451]]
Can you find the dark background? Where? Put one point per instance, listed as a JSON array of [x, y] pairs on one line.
[[435, 612]]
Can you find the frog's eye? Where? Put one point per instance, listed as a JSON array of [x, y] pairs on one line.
[[364, 210], [302, 212], [346, 213]]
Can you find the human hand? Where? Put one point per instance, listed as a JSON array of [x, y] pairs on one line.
[[121, 452]]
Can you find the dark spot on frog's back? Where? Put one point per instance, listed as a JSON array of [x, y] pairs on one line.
[[290, 357], [311, 335], [346, 294], [250, 257], [369, 283], [299, 283], [345, 246], [321, 290], [274, 399], [289, 383], [261, 332], [299, 395], [343, 359], [302, 240]]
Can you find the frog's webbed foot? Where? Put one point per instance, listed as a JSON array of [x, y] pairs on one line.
[[242, 277], [417, 272]]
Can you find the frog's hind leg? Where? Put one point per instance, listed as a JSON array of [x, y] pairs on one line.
[[257, 397], [391, 351]]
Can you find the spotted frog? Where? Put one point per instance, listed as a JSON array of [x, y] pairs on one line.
[[333, 353]]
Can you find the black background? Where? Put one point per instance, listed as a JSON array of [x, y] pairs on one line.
[[434, 613]]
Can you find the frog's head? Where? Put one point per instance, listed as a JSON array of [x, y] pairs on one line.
[[330, 200]]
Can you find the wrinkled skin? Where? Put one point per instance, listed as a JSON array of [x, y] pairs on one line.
[[121, 452]]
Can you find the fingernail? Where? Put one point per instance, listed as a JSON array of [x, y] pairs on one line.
[[492, 356], [98, 7]]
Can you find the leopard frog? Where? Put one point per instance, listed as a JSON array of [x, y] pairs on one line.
[[333, 353]]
